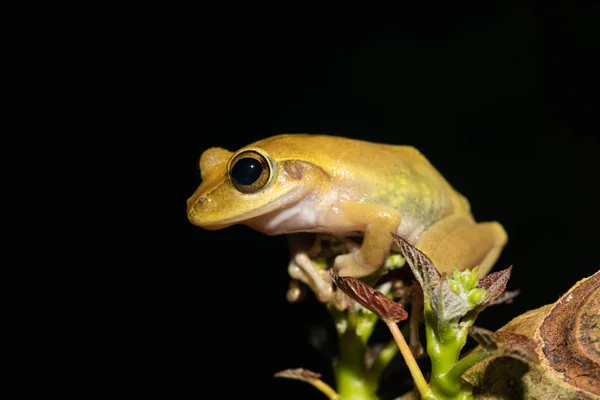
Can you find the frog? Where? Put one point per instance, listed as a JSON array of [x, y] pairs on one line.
[[300, 184]]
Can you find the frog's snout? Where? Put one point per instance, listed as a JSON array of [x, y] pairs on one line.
[[197, 206]]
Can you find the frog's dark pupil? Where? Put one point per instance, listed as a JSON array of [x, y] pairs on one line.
[[246, 171]]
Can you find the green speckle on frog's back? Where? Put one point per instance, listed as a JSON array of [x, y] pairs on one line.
[[415, 189]]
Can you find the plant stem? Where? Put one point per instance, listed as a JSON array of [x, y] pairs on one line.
[[462, 365], [383, 359], [365, 324], [326, 389], [415, 371], [444, 343], [350, 371]]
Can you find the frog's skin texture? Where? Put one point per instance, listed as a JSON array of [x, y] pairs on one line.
[[343, 187]]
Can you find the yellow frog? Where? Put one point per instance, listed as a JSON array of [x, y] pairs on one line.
[[326, 184]]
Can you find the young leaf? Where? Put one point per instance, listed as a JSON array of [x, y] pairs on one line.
[[506, 344], [485, 338], [298, 373], [494, 284], [506, 297], [447, 304], [372, 299], [421, 266]]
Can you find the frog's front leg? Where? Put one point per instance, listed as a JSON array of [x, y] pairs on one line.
[[376, 221]]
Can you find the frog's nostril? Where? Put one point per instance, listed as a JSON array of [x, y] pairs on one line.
[[201, 205], [197, 207]]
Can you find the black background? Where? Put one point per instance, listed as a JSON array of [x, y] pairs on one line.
[[500, 99]]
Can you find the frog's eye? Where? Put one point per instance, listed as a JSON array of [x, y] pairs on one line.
[[249, 171]]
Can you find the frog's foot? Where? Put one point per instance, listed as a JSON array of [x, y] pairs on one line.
[[295, 292], [348, 265], [341, 301], [302, 269]]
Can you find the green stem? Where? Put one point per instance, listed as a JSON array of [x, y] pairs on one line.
[[386, 355], [462, 365], [326, 389], [350, 371], [365, 324], [411, 363], [350, 374], [444, 344]]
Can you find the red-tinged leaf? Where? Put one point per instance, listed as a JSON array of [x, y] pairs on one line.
[[485, 338], [422, 267], [494, 284], [298, 373], [370, 298], [506, 344]]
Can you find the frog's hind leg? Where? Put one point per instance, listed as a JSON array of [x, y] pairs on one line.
[[301, 268], [460, 241]]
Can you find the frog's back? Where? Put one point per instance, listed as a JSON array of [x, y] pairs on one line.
[[368, 161], [396, 175], [333, 153]]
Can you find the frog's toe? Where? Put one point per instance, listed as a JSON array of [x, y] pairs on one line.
[[301, 268], [348, 265], [295, 292]]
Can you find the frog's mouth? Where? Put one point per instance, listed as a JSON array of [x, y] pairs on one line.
[[203, 212]]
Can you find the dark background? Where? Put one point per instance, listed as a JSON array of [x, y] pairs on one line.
[[500, 99]]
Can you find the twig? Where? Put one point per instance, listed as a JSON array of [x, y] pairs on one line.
[[413, 367]]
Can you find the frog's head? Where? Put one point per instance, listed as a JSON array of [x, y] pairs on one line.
[[238, 187]]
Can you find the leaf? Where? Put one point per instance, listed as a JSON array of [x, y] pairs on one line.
[[506, 344], [298, 373], [506, 297], [494, 284], [370, 298], [484, 337], [446, 304], [310, 377], [422, 267]]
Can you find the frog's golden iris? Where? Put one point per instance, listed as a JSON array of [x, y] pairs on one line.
[[249, 171]]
